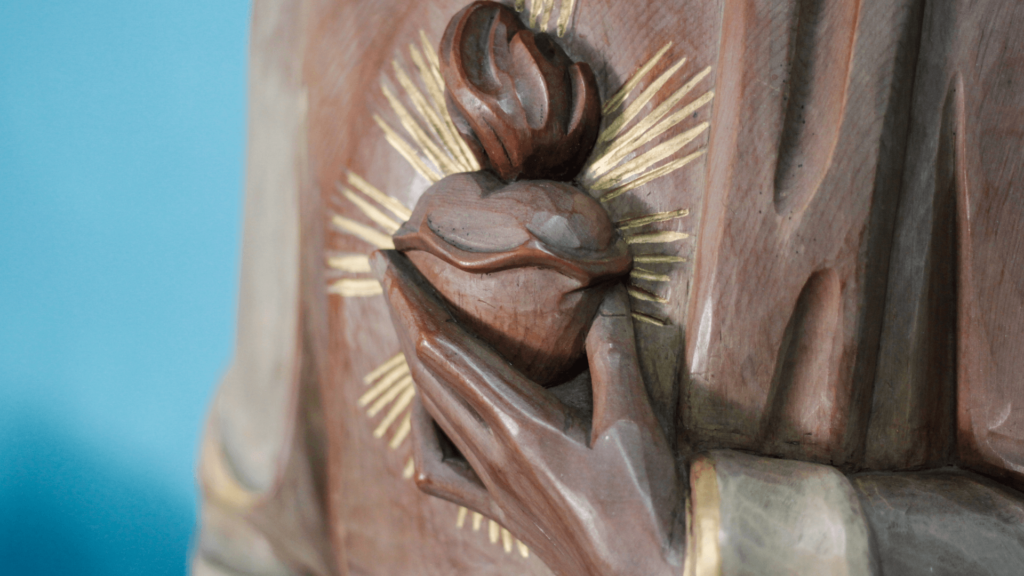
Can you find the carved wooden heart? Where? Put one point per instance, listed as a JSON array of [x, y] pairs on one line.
[[524, 265]]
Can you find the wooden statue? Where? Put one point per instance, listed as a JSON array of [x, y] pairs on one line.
[[617, 288]]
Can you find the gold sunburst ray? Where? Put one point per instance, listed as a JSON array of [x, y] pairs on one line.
[[652, 175], [384, 213], [398, 408], [649, 275], [372, 212], [355, 288], [619, 97], [396, 361], [648, 319], [496, 533], [391, 380], [644, 295], [399, 389], [636, 167], [651, 219], [663, 237], [616, 147], [365, 233], [540, 11], [391, 386], [658, 259], [349, 263], [617, 122], [373, 193], [636, 146], [617, 166], [432, 146]]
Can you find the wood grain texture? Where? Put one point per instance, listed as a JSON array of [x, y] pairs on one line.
[[789, 287], [823, 209], [909, 513], [383, 522], [523, 265], [261, 468]]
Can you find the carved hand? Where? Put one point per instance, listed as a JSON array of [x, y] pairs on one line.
[[590, 493]]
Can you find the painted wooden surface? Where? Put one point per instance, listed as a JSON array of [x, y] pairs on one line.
[[823, 205]]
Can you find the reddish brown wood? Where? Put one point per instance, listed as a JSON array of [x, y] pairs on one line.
[[543, 469], [524, 265], [525, 108], [855, 265]]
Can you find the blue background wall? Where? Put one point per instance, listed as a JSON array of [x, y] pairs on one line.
[[122, 134]]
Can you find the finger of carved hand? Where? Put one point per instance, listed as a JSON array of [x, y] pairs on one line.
[[499, 393], [459, 420], [618, 386], [504, 398], [444, 475]]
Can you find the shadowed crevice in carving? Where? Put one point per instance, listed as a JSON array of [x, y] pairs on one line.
[[814, 97], [804, 400], [940, 361], [913, 418], [890, 191]]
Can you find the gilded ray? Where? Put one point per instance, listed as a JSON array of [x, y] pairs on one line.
[[363, 232], [539, 14], [647, 130], [353, 263], [536, 6], [619, 163], [654, 118], [438, 110], [406, 150], [434, 148], [648, 159], [496, 533], [356, 287], [396, 410], [403, 385], [662, 170], [389, 365], [663, 237], [394, 206], [564, 15], [651, 219], [402, 432], [642, 274], [658, 259], [619, 122], [426, 145], [545, 15], [428, 51], [641, 294], [523, 550], [649, 319], [446, 151], [372, 212], [615, 101], [384, 385]]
